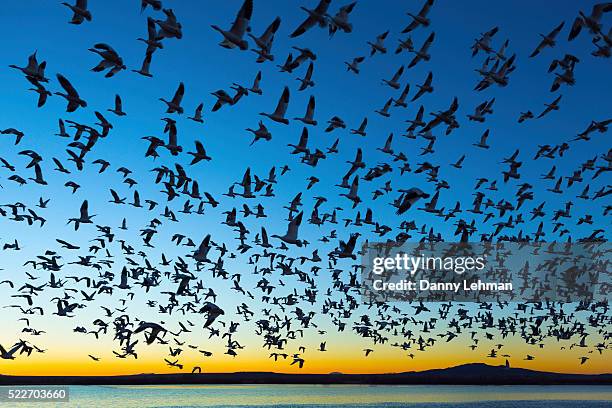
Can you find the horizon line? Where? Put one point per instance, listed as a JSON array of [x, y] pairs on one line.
[[307, 374]]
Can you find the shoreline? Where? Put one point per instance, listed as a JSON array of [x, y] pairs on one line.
[[468, 374]]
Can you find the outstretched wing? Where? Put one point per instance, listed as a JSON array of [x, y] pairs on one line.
[[243, 17], [283, 102], [178, 95], [310, 21], [66, 85], [84, 210]]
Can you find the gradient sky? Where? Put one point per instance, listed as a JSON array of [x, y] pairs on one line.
[[204, 67]]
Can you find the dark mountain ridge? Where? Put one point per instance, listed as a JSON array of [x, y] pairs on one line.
[[467, 374]]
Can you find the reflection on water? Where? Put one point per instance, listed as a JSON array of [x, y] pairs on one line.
[[329, 396]]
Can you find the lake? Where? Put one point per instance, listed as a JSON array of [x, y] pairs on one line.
[[331, 396]]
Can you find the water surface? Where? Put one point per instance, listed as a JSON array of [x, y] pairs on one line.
[[332, 396]]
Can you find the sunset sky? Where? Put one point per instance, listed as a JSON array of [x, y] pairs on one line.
[[204, 67]]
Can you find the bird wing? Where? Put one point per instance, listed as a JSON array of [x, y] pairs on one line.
[[576, 28], [309, 71], [151, 30], [178, 95], [398, 74], [556, 30], [199, 147], [426, 8], [305, 26], [354, 186], [257, 79], [363, 124], [310, 21], [413, 24], [599, 9], [243, 17], [283, 102], [246, 179], [66, 85], [311, 107], [105, 47], [84, 210], [32, 62], [294, 224], [266, 37], [345, 10], [428, 42], [322, 6]]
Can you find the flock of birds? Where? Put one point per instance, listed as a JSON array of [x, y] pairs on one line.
[[286, 304]]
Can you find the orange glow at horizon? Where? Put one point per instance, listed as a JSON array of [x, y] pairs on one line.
[[345, 358]]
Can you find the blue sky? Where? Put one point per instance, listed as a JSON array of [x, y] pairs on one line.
[[204, 67]]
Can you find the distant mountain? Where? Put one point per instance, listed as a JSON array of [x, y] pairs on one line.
[[473, 374]]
